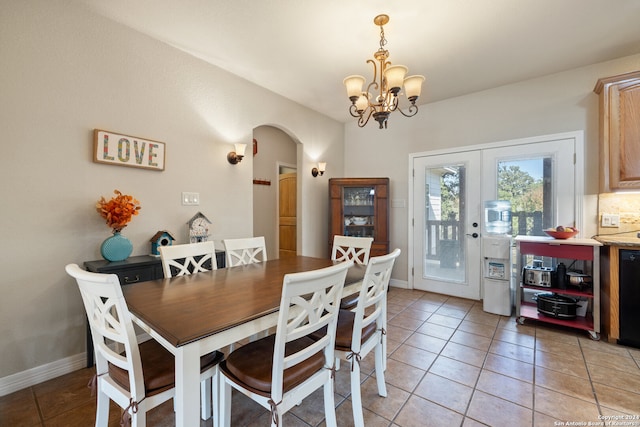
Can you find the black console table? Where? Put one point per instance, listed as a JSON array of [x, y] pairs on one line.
[[132, 270]]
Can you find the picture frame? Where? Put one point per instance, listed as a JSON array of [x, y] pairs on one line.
[[123, 150]]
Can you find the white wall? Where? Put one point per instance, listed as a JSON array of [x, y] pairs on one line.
[[552, 104], [65, 72]]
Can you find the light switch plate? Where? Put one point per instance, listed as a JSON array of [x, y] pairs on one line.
[[190, 199], [610, 220]]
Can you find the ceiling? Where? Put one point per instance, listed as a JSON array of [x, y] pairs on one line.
[[302, 49]]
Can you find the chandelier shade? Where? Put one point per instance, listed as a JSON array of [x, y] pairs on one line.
[[381, 96]]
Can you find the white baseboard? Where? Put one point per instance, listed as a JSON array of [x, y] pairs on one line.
[[403, 284], [39, 374]]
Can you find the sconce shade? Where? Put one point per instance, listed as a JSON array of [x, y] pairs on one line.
[[235, 157], [322, 166]]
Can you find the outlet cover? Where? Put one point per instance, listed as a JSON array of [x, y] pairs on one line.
[[610, 220]]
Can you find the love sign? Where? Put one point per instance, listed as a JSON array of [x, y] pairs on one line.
[[123, 150]]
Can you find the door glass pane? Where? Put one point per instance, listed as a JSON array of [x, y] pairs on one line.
[[527, 184], [444, 223], [359, 211]]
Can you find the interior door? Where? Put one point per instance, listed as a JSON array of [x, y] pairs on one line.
[[446, 220], [287, 215]]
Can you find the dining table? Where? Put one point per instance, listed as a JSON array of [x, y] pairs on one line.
[[195, 314]]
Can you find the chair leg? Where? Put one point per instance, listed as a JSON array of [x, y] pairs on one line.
[[329, 405], [356, 397], [215, 396], [225, 403], [102, 409], [205, 397], [380, 367]]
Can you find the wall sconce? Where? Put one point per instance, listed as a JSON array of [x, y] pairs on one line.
[[322, 166], [235, 157]]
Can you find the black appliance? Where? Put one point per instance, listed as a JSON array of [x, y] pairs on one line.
[[555, 305], [629, 297]]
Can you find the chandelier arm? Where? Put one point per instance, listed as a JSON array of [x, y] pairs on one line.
[[362, 121], [353, 110], [412, 111]]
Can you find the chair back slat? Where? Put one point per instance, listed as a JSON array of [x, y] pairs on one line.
[[351, 248], [245, 251], [180, 260], [372, 300], [310, 302], [111, 326]]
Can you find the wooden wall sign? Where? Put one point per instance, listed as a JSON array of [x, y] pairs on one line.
[[123, 150]]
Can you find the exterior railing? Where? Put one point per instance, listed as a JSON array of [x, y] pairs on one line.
[[443, 237]]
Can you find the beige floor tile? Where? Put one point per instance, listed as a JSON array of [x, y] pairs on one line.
[[479, 316], [402, 375], [445, 392], [406, 322], [52, 402], [614, 398], [417, 314], [615, 378], [564, 407], [470, 422], [414, 356], [514, 351], [344, 417], [456, 312], [510, 367], [437, 331], [19, 408], [426, 342], [515, 337], [481, 329], [387, 407], [564, 335], [622, 363], [419, 412], [557, 347], [563, 383], [569, 364], [544, 420], [605, 347], [462, 353], [398, 334], [448, 321], [425, 306], [504, 387], [498, 412], [471, 340], [456, 371]]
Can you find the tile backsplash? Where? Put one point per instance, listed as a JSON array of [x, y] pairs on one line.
[[625, 205]]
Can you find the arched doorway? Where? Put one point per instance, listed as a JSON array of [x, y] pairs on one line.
[[275, 153]]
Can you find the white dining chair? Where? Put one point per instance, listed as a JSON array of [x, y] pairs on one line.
[[181, 260], [245, 250], [143, 375], [364, 329], [357, 249], [178, 260], [280, 370], [349, 247]]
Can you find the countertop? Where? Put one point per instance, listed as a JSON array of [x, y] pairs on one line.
[[618, 240]]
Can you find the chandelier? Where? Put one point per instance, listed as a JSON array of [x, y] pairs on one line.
[[386, 86]]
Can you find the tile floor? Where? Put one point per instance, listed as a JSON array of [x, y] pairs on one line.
[[450, 364]]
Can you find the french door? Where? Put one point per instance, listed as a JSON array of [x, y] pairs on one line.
[[448, 194], [447, 224]]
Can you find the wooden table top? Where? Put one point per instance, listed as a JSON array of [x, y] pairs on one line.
[[188, 308]]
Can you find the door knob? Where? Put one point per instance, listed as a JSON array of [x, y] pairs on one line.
[[474, 235], [475, 224]]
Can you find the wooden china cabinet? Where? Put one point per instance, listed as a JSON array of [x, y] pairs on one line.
[[360, 207]]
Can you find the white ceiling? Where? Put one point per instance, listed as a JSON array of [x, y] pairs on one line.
[[302, 49]]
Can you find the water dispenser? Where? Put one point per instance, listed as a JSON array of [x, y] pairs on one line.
[[497, 217]]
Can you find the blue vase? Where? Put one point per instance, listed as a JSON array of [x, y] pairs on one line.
[[116, 247]]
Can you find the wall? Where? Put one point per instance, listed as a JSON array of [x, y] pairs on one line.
[[551, 104], [65, 72]]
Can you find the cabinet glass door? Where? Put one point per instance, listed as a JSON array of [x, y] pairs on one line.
[[358, 211]]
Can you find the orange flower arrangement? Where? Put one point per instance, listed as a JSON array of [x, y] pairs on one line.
[[118, 211]]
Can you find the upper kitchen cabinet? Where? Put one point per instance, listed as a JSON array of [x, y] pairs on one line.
[[619, 132], [360, 207]]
